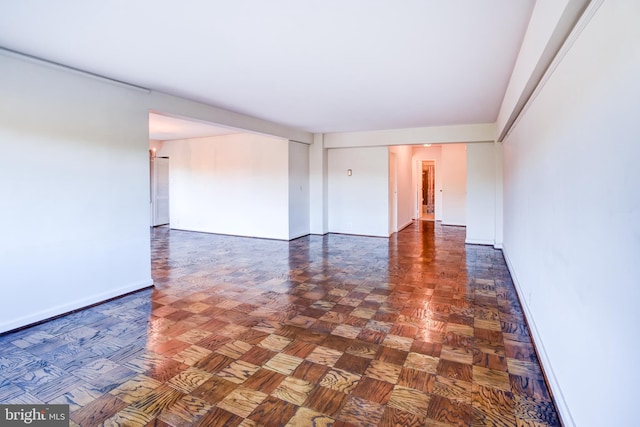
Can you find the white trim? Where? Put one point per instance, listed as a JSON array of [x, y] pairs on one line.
[[453, 224], [77, 71], [563, 409], [479, 242], [298, 235], [417, 176], [72, 306], [408, 223]]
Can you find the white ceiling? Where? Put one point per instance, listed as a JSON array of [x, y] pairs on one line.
[[319, 66]]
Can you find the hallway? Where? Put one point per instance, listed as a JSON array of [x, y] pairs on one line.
[[418, 329]]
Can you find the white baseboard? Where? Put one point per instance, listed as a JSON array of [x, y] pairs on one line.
[[298, 235], [558, 397], [71, 306], [479, 242], [402, 227]]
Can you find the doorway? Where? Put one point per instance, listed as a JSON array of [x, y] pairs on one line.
[[428, 191]]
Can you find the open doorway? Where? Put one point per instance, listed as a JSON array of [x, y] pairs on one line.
[[428, 191], [159, 189], [164, 130]]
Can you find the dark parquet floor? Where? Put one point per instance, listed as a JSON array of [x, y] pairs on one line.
[[415, 330]]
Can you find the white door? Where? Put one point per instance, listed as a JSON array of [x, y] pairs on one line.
[[160, 190]]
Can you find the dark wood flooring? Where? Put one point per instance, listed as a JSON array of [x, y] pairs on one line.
[[415, 330]]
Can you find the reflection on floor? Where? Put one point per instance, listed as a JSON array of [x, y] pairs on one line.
[[335, 330], [425, 215]]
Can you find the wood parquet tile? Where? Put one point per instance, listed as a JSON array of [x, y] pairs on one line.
[[415, 330], [361, 412], [373, 390], [310, 371], [242, 401], [326, 400]]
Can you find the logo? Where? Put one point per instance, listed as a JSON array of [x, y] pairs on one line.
[[34, 415]]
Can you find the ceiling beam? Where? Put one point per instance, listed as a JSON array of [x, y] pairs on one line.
[[484, 132], [567, 22]]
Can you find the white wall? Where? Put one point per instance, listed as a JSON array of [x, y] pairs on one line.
[[454, 184], [154, 143], [481, 194], [420, 154], [359, 204], [232, 184], [74, 179], [298, 189], [405, 208], [571, 214]]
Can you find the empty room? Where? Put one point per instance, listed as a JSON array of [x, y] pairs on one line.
[[354, 213]]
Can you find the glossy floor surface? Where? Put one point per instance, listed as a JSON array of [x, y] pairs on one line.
[[415, 330]]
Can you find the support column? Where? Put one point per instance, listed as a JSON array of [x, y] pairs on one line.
[[318, 195], [499, 192]]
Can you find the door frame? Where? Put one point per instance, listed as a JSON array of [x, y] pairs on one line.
[[393, 193], [154, 165], [417, 170]]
